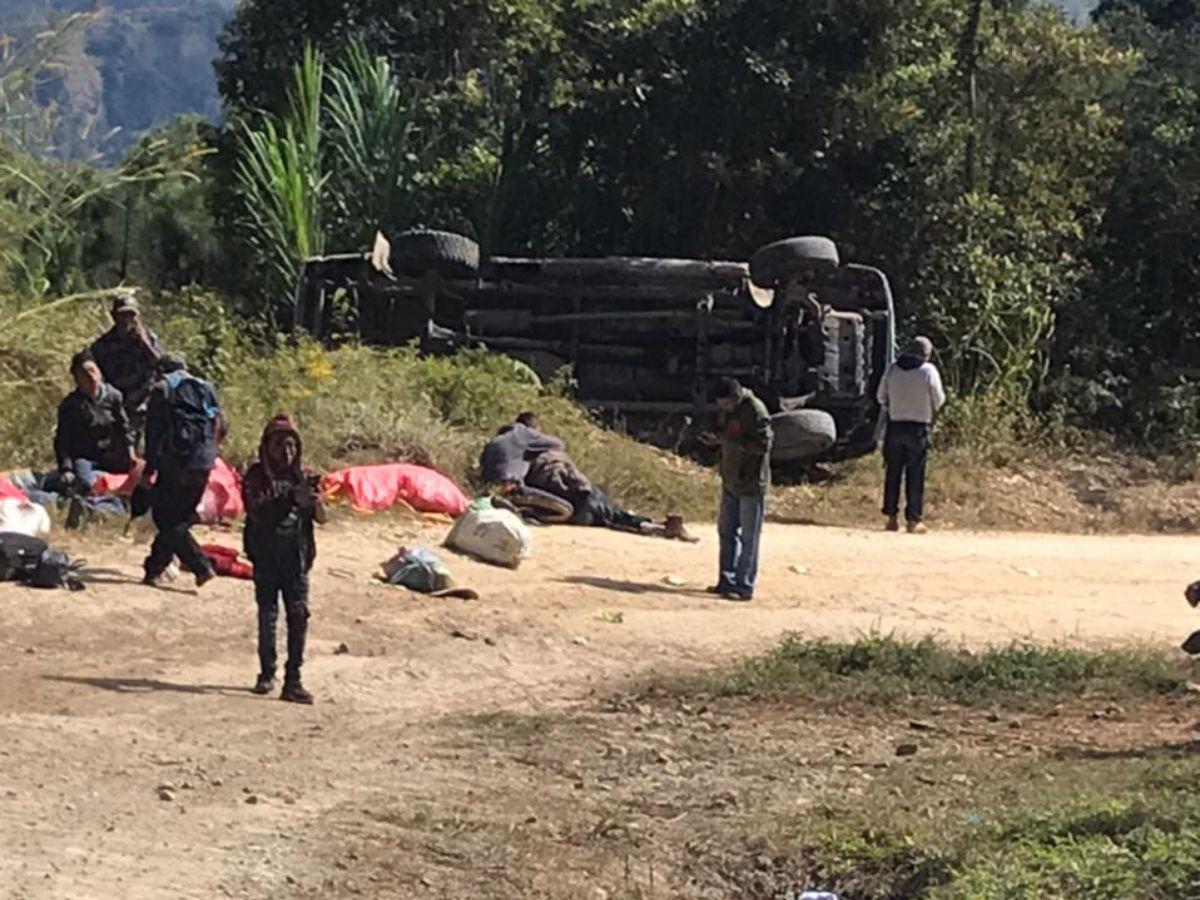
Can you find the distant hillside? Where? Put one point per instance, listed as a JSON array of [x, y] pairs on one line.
[[143, 62], [137, 64], [1077, 10]]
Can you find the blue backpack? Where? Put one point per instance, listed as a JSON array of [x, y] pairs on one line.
[[190, 439]]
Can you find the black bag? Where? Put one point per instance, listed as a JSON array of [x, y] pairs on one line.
[[56, 570], [29, 561], [19, 555]]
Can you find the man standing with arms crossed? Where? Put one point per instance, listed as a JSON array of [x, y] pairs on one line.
[[911, 394], [744, 427]]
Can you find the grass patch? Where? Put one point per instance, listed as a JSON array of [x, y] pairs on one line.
[[884, 670], [354, 404], [1140, 839]]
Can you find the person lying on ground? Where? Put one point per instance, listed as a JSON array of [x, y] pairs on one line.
[[554, 474], [92, 436], [282, 502], [183, 427], [507, 456], [128, 355]]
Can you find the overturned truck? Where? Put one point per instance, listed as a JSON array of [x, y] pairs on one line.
[[645, 338]]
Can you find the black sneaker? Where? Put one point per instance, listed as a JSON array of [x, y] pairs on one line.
[[264, 685], [295, 693], [737, 597], [203, 578]]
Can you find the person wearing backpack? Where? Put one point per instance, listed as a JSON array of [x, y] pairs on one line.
[[183, 427], [282, 502]]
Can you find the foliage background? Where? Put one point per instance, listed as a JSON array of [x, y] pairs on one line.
[[1028, 183]]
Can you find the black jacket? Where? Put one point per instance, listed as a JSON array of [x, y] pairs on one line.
[[95, 429], [128, 363], [279, 532]]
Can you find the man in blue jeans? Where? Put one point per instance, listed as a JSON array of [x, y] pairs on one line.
[[93, 434], [911, 393], [744, 427]]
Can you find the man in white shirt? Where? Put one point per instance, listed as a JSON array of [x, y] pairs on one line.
[[911, 394]]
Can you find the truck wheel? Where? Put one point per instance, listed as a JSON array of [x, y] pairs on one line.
[[774, 264], [420, 251], [802, 434]]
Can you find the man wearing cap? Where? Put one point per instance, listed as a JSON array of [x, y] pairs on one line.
[[128, 354], [911, 394]]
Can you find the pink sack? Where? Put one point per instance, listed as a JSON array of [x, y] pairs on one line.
[[9, 491], [383, 486], [222, 498]]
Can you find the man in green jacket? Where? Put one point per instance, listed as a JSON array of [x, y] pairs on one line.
[[744, 426]]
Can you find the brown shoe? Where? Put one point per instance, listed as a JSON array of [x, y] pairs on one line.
[[917, 528], [674, 530], [893, 524]]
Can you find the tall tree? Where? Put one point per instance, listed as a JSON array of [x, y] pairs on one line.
[[1129, 347]]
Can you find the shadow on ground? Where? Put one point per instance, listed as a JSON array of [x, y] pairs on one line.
[[630, 587], [148, 686]]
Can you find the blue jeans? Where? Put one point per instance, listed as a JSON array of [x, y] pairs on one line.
[[85, 471], [739, 525]]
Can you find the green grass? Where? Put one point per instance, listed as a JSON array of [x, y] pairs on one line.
[[884, 670], [1138, 837], [354, 404]]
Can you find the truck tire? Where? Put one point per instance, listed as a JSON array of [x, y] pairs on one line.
[[802, 434], [774, 264], [450, 255]]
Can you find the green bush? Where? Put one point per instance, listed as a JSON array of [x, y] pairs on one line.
[[886, 670], [1139, 839]]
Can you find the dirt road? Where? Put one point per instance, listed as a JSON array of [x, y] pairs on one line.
[[133, 763]]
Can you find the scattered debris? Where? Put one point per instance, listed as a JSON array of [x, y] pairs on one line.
[[612, 618], [798, 570], [166, 793], [907, 749], [674, 581], [341, 649]]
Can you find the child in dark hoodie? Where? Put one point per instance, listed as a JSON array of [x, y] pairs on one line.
[[282, 502]]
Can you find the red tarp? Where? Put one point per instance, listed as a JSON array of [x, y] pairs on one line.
[[226, 563], [383, 486]]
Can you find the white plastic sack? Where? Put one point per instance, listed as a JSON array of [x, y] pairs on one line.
[[24, 517], [494, 535]]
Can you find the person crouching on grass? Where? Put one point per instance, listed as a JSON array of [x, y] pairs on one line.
[[282, 501]]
